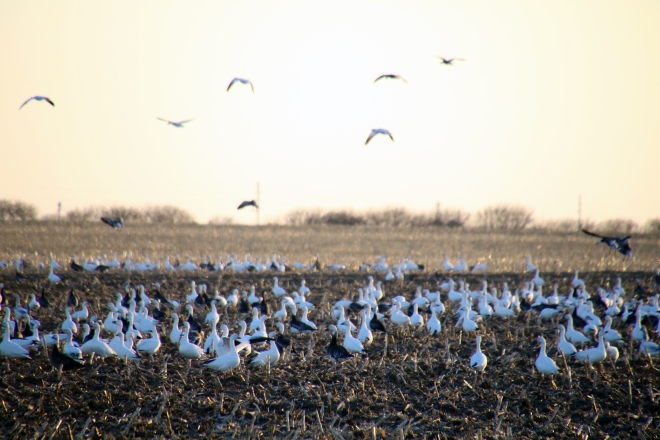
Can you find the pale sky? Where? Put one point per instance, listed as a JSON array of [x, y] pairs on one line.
[[555, 99]]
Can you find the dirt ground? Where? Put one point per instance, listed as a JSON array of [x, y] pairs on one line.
[[420, 387]]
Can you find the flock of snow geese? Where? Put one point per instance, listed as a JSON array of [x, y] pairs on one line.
[[198, 323], [247, 82]]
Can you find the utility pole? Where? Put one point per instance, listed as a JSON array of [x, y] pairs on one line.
[[59, 210], [258, 202], [579, 212]]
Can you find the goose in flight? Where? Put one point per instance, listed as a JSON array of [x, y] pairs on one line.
[[391, 76], [175, 123], [620, 244], [248, 203], [242, 81], [38, 98], [376, 131], [450, 61], [116, 223]]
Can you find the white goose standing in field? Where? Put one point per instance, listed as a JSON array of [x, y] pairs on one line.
[[365, 336], [564, 346], [149, 345], [10, 349], [226, 361], [277, 290], [478, 361], [96, 346], [593, 355], [433, 325], [270, 356], [68, 322], [573, 335], [530, 266], [186, 348], [543, 363], [352, 344]]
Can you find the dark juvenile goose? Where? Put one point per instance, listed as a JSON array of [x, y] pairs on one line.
[[336, 352]]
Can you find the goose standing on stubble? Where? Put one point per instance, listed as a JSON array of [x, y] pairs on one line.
[[543, 363], [478, 361]]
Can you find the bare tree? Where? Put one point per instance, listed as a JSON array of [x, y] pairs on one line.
[[17, 211], [505, 217]]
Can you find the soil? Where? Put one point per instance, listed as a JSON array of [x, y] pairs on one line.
[[415, 386]]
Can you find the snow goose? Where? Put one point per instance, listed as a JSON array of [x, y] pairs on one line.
[[187, 349], [96, 346], [305, 320], [416, 319], [397, 316], [225, 361], [277, 290], [538, 281], [461, 265], [612, 352], [336, 352], [353, 345], [564, 346], [530, 266], [364, 335], [82, 314], [175, 334], [446, 265], [543, 363], [178, 124], [390, 76], [478, 361], [377, 131], [149, 345], [188, 265], [10, 349], [648, 348], [33, 304], [122, 351], [609, 334], [375, 324], [270, 356], [212, 343], [573, 335], [212, 318], [242, 81], [61, 361], [52, 278], [68, 322], [281, 313], [637, 332], [37, 98], [577, 281], [593, 355], [70, 349], [433, 324]]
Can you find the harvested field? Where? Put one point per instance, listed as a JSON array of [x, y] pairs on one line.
[[421, 386]]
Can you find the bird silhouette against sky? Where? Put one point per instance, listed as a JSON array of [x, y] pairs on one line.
[[376, 131], [38, 98], [176, 123], [450, 61], [242, 81], [391, 76], [248, 203]]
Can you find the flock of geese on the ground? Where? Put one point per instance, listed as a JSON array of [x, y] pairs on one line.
[[199, 323]]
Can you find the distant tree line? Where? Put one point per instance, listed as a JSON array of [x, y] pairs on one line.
[[149, 214], [17, 211], [500, 217], [393, 217]]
